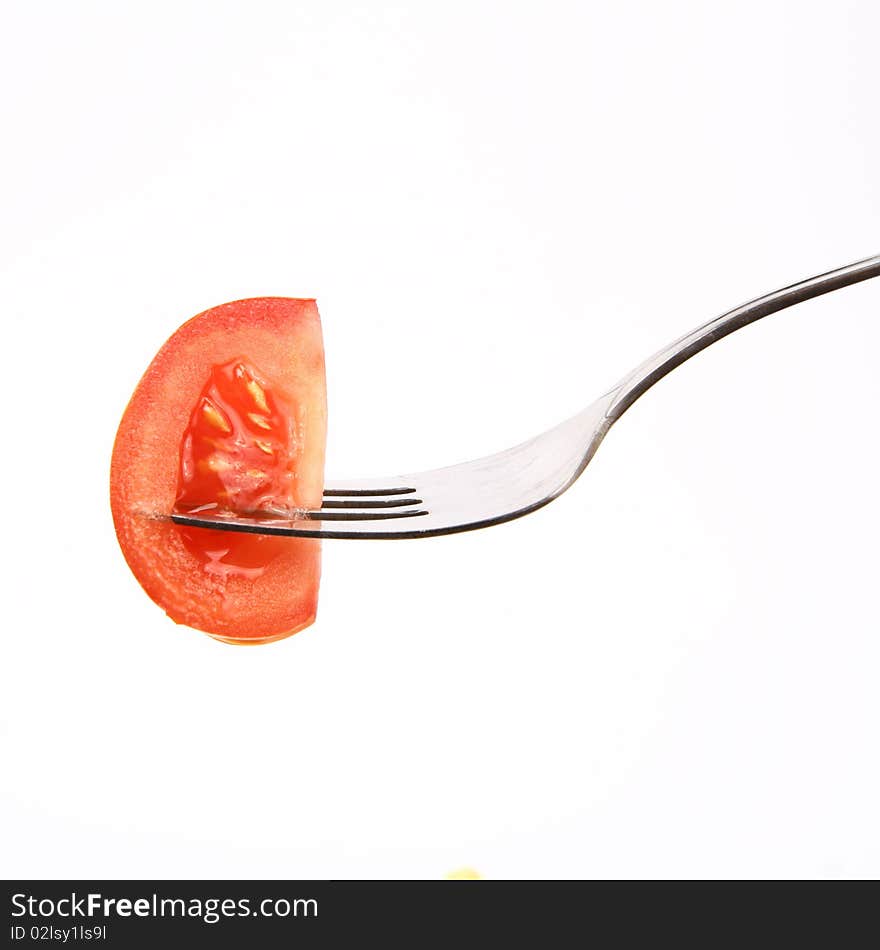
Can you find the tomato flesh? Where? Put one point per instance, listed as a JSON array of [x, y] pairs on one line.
[[235, 455]]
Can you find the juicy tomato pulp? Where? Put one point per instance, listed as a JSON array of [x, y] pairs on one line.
[[235, 455]]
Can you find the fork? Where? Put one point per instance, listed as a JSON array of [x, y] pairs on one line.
[[507, 485]]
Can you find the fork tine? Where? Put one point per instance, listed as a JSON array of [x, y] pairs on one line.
[[347, 523], [366, 492], [359, 487], [362, 501], [362, 515]]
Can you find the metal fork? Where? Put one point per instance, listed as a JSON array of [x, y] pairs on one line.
[[510, 484]]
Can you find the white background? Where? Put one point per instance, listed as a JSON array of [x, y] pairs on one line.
[[501, 208]]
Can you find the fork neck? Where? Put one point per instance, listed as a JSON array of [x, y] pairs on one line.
[[654, 369]]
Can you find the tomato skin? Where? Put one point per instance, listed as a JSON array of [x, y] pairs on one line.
[[281, 338]]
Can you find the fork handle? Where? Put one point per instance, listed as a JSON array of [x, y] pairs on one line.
[[641, 379]]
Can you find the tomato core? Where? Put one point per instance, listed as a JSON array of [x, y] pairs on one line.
[[236, 455]]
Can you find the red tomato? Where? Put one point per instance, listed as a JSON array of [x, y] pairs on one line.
[[230, 414]]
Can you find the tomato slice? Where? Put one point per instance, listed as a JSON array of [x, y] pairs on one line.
[[231, 414]]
